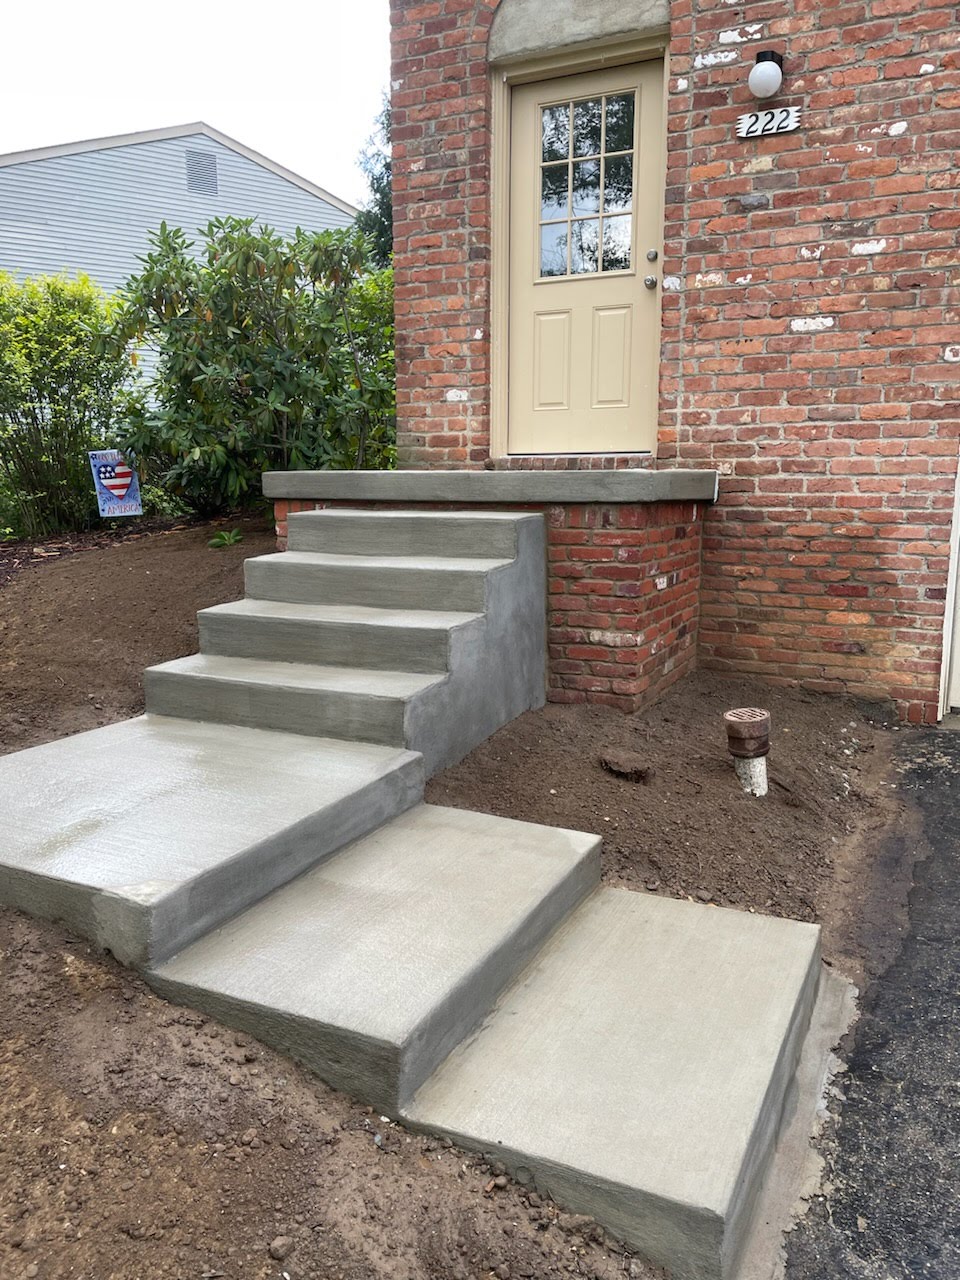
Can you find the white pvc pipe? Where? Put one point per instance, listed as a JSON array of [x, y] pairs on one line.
[[752, 775]]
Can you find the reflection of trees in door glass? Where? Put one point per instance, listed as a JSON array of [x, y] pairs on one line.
[[553, 191], [555, 128], [620, 112], [584, 247], [553, 249], [587, 118], [618, 184], [586, 187], [616, 243]]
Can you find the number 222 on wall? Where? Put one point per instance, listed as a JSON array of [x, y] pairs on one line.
[[759, 124]]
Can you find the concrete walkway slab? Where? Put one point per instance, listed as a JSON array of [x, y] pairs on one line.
[[144, 834], [371, 967], [637, 1070]]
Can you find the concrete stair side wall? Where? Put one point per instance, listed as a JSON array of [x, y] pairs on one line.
[[497, 669]]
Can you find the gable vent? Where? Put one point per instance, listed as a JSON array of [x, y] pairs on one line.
[[202, 173]]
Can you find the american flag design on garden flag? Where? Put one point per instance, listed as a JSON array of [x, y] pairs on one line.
[[116, 477], [117, 484]]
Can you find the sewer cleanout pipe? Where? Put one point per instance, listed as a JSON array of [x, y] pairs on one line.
[[748, 740]]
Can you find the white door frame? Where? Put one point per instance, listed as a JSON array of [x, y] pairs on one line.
[[950, 604]]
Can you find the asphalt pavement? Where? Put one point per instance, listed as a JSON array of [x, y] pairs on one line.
[[890, 1202]]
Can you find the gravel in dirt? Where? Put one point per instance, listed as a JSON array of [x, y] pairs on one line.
[[138, 1139]]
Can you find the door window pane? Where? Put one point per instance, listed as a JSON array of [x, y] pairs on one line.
[[553, 249], [584, 247], [555, 132], [553, 191], [620, 112], [618, 184], [587, 117], [586, 187], [616, 243]]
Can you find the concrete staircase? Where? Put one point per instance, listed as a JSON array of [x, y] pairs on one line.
[[257, 843], [426, 631]]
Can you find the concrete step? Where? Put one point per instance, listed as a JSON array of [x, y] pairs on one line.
[[406, 533], [638, 1068], [144, 834], [295, 697], [371, 967], [335, 634], [383, 581]]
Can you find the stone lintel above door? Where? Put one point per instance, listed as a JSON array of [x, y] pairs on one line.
[[526, 28]]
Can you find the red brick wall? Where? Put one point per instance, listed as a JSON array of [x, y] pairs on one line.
[[811, 343], [623, 590], [807, 351]]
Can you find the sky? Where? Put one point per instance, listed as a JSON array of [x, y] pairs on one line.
[[300, 82]]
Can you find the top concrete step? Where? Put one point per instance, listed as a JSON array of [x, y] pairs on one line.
[[404, 533], [144, 834], [373, 966], [399, 582], [638, 1070]]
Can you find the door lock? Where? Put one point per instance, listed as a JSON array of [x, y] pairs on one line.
[[652, 255], [650, 281]]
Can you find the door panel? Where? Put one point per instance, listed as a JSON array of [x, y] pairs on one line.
[[551, 360], [586, 181], [612, 330]]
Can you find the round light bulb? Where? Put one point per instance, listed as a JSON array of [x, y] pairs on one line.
[[765, 79]]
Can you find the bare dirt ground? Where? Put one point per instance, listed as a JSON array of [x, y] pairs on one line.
[[142, 1140]]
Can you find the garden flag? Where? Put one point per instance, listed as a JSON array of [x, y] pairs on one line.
[[118, 489]]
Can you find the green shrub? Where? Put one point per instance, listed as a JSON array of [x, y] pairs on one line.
[[271, 354], [60, 395]]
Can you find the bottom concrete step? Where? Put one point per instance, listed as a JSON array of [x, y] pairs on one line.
[[371, 967], [144, 834], [637, 1070], [295, 697]]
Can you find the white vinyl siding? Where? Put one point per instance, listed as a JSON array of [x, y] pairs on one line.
[[91, 211]]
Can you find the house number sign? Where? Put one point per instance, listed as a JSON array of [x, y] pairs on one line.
[[759, 124]]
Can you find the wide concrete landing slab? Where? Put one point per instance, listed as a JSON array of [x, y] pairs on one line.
[[371, 967], [637, 1070], [144, 834]]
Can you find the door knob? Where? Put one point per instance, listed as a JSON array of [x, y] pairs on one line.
[[650, 281]]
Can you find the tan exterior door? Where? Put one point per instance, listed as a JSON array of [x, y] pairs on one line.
[[586, 192]]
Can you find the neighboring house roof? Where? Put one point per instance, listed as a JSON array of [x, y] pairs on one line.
[[176, 131]]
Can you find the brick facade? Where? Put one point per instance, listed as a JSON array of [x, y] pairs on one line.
[[623, 595], [811, 342]]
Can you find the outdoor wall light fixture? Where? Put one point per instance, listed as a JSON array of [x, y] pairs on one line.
[[766, 74]]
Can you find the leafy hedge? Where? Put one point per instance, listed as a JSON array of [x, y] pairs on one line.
[[60, 395], [270, 354]]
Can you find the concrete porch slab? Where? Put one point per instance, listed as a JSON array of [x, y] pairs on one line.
[[371, 967], [144, 834], [671, 484], [637, 1070]]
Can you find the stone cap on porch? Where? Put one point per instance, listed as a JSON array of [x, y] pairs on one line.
[[669, 485]]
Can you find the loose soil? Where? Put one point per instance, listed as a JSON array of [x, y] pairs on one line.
[[138, 1139], [80, 618]]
